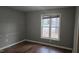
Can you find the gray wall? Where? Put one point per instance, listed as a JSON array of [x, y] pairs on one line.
[[33, 26], [12, 26], [76, 32]]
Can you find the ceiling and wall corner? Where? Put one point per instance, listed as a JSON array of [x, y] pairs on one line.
[[35, 8]]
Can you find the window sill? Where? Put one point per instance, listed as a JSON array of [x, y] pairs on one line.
[[50, 38]]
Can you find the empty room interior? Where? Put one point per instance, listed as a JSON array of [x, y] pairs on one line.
[[39, 29]]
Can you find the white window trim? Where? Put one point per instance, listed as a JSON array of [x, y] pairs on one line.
[[52, 14]]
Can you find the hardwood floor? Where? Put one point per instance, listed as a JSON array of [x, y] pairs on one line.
[[29, 47]]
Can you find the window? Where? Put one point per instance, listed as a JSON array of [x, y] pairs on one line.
[[50, 27]]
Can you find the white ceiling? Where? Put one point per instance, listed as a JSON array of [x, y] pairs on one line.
[[35, 8]]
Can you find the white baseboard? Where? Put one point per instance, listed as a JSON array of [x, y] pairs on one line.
[[35, 42], [49, 44], [10, 45]]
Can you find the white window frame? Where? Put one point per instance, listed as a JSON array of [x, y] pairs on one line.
[[50, 14]]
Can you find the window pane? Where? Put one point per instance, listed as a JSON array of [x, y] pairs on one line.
[[55, 27], [45, 28]]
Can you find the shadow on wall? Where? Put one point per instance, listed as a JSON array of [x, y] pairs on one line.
[[11, 26]]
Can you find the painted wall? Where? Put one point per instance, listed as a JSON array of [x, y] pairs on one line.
[[75, 44], [76, 32], [33, 26], [77, 28], [11, 26]]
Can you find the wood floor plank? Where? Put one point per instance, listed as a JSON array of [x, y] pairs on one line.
[[30, 47]]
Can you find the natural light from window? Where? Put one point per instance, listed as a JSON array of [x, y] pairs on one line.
[[50, 27]]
